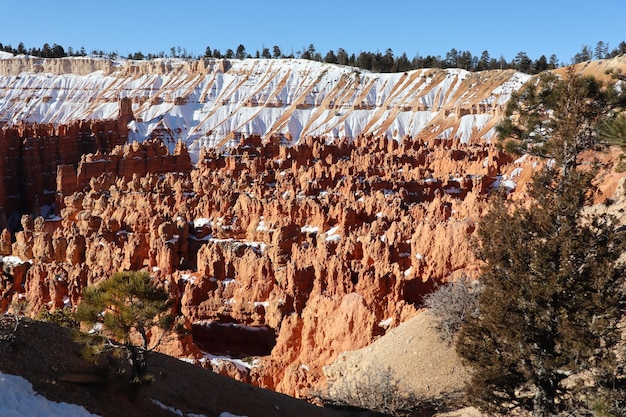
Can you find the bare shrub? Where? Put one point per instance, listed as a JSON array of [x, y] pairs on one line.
[[18, 307], [375, 388], [451, 304]]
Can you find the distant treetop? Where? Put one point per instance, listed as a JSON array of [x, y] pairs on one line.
[[372, 61]]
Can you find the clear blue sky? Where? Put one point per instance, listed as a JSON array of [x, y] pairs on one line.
[[504, 28]]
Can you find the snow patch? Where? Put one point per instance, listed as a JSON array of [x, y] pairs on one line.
[[18, 399], [386, 322]]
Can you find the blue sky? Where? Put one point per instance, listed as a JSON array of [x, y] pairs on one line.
[[504, 28]]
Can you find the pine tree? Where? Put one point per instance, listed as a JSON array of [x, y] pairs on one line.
[[125, 305], [276, 52], [553, 288], [614, 131], [558, 117], [241, 52], [551, 302]]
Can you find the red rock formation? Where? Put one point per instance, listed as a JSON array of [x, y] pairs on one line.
[[31, 155], [326, 245]]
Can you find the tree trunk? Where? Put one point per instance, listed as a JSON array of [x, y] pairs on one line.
[[543, 401], [137, 359]]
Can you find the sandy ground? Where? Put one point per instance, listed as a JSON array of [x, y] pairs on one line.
[[420, 361]]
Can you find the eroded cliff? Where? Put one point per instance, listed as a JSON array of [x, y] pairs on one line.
[[293, 253]]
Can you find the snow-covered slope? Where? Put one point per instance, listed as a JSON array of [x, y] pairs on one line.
[[210, 102]]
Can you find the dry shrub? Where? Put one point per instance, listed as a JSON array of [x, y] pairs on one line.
[[451, 304]]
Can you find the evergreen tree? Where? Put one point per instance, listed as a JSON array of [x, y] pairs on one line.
[[342, 57], [276, 52], [585, 54], [613, 131], [331, 58], [601, 50], [558, 117], [540, 65], [241, 52], [551, 302], [364, 61], [554, 61], [553, 288], [402, 63], [128, 303], [483, 62], [451, 58], [522, 62], [387, 61]]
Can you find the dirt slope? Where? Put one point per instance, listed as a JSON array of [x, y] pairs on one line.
[[45, 355], [413, 351]]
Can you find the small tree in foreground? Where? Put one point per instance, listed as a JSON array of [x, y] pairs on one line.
[[122, 311]]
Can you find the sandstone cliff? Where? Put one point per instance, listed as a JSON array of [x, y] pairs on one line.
[[212, 102]]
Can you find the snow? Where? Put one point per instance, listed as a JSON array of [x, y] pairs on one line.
[[332, 235], [267, 97], [216, 359], [262, 227], [502, 182], [516, 172], [11, 260], [257, 246], [181, 414], [521, 159], [18, 399], [188, 278], [309, 229], [168, 408], [386, 322]]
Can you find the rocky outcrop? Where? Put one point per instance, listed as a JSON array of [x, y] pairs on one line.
[[324, 246], [58, 66], [211, 102], [31, 155], [303, 252]]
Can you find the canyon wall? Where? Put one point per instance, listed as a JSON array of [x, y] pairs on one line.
[[292, 254], [212, 102], [31, 153]]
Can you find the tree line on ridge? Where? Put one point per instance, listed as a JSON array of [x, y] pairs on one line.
[[372, 61]]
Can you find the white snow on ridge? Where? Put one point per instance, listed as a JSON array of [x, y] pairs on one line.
[[203, 102]]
